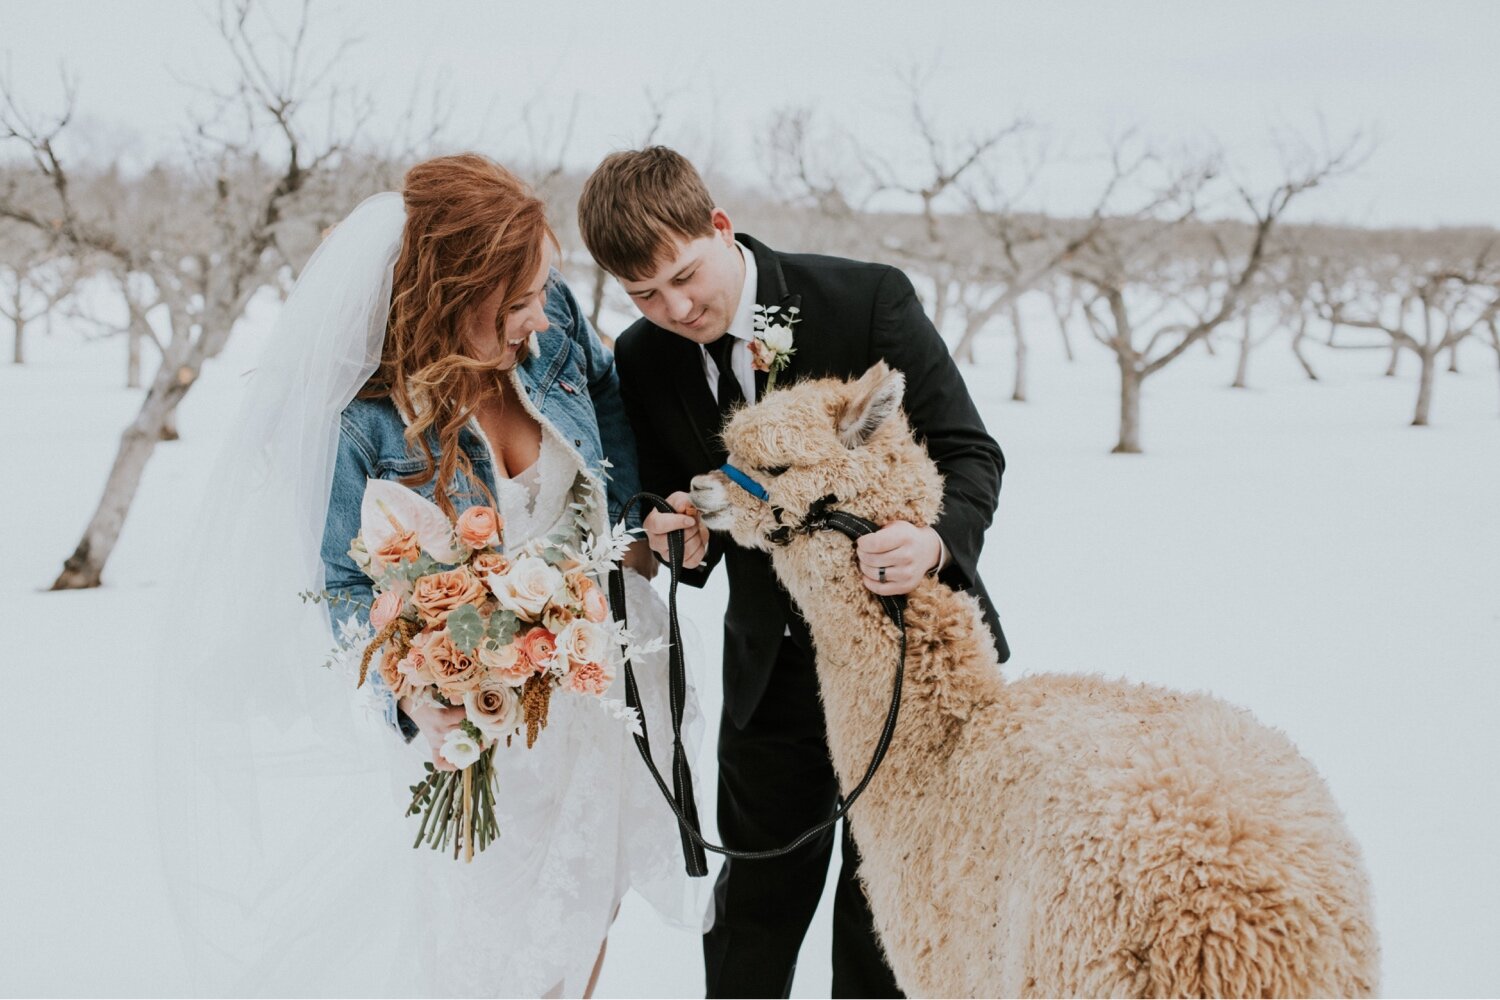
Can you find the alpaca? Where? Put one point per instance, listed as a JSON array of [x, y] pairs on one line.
[[1056, 835]]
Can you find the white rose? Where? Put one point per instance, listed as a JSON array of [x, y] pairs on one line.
[[778, 337], [460, 749], [584, 641], [527, 587], [495, 710]]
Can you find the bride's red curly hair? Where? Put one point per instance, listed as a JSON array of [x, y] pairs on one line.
[[471, 226]]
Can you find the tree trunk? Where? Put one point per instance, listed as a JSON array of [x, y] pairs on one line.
[[85, 567], [1453, 357], [1062, 329], [19, 318], [133, 357], [1242, 367], [1130, 408], [963, 351], [1424, 392], [1390, 370], [939, 305], [1297, 339], [1018, 393], [601, 278]]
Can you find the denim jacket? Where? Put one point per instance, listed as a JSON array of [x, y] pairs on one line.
[[571, 382]]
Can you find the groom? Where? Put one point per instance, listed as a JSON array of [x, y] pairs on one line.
[[648, 219]]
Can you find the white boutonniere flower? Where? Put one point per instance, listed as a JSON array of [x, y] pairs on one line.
[[771, 350]]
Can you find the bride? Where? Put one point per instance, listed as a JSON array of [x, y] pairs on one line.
[[428, 341]]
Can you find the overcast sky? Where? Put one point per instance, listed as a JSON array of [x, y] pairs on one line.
[[1423, 79]]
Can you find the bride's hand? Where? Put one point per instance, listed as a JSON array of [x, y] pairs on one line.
[[435, 722], [638, 557]]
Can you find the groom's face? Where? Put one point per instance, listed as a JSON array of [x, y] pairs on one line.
[[694, 293]]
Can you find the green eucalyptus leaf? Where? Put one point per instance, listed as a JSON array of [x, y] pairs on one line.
[[466, 626]]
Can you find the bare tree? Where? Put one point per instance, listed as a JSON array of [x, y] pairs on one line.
[[1063, 296], [1424, 306], [1263, 291], [208, 247], [34, 279], [1492, 337], [1162, 280]]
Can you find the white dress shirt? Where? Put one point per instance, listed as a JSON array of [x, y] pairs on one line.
[[742, 329]]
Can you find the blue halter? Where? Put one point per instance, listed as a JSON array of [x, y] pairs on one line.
[[745, 483]]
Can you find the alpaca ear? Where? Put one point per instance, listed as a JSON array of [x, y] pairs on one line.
[[872, 401]]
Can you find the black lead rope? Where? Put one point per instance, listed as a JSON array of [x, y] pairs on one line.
[[680, 795]]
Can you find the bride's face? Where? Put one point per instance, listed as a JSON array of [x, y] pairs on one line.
[[501, 335]]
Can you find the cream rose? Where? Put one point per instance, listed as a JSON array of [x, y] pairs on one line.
[[479, 527], [438, 595], [584, 642], [777, 337], [527, 588], [495, 710]]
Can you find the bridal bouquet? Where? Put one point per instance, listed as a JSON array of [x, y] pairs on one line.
[[456, 620]]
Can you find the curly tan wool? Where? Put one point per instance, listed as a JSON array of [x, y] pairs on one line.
[[1058, 835]]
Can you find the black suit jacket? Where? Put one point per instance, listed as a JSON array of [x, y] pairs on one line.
[[852, 314]]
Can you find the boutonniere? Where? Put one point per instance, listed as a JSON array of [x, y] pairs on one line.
[[771, 350]]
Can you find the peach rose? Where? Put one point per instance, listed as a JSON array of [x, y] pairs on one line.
[[589, 678], [761, 356], [506, 665], [589, 596], [453, 671], [414, 665], [558, 617], [489, 563], [387, 608], [540, 647], [479, 527], [391, 673], [438, 595], [495, 710], [401, 547]]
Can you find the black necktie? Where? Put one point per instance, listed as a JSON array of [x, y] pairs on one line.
[[729, 386]]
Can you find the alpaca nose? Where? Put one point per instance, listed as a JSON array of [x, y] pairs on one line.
[[709, 496]]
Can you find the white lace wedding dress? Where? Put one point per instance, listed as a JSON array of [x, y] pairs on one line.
[[581, 820]]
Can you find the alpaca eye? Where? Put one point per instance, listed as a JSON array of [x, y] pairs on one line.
[[777, 470]]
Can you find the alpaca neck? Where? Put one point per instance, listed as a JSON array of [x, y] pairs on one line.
[[858, 648]]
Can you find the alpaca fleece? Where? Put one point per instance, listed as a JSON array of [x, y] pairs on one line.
[[1057, 835]]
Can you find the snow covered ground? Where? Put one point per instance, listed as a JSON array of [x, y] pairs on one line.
[[1295, 548]]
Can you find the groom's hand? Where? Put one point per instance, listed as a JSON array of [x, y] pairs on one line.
[[435, 722], [658, 526], [906, 552]]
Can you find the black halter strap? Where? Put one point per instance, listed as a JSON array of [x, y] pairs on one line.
[[680, 795]]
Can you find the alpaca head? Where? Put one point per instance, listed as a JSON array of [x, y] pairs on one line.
[[818, 439]]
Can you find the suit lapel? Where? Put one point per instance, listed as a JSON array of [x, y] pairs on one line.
[[770, 290]]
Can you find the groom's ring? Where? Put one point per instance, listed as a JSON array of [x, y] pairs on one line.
[[880, 575]]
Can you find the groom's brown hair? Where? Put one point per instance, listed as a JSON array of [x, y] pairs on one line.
[[636, 203]]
